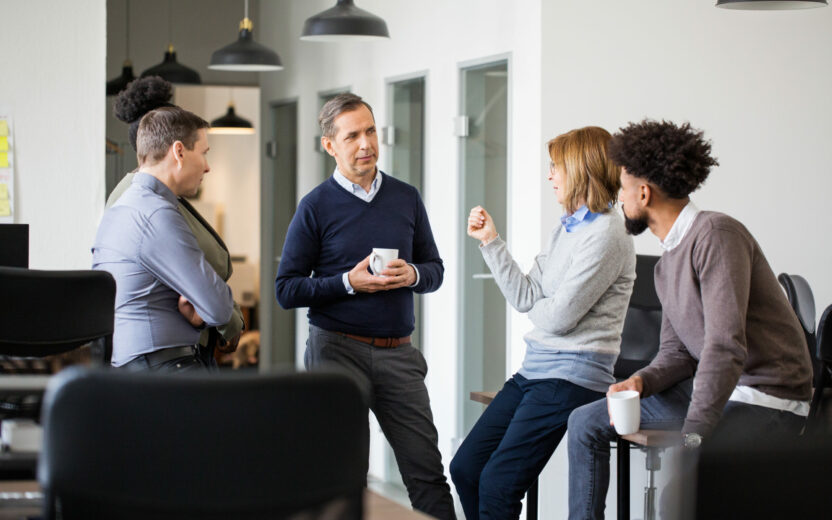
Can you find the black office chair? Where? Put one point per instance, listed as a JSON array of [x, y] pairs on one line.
[[44, 313], [802, 301], [49, 312], [820, 411], [137, 446], [640, 341], [642, 326], [777, 477]]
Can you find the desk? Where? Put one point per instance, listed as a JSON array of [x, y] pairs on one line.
[[19, 499], [532, 494], [653, 440]]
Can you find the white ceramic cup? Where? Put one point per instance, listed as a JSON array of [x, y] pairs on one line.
[[625, 411], [379, 259]]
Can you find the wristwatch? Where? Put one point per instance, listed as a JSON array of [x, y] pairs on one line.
[[693, 440]]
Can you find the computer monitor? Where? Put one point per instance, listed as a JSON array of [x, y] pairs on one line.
[[14, 245]]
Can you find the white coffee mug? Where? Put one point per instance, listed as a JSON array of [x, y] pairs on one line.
[[379, 259], [625, 411]]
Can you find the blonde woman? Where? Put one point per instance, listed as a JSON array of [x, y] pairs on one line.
[[576, 295]]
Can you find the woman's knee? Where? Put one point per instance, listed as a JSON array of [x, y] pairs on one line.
[[463, 472]]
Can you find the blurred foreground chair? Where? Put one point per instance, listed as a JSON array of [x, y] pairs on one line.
[[137, 446], [774, 478], [802, 300], [820, 411]]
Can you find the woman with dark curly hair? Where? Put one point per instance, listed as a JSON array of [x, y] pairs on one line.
[[733, 357], [140, 97], [576, 295]]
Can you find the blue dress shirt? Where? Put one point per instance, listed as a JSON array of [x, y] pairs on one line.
[[580, 218], [146, 245]]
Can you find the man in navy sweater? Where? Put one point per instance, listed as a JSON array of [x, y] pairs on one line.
[[360, 321]]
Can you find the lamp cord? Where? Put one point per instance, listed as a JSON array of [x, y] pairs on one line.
[[127, 32]]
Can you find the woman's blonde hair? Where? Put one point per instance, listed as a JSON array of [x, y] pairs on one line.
[[591, 177]]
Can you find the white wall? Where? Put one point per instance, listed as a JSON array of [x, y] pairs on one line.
[[433, 36], [52, 81], [758, 83]]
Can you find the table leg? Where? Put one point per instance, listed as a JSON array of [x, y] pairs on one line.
[[531, 501], [623, 457]]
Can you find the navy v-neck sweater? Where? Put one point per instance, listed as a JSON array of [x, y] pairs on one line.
[[331, 232]]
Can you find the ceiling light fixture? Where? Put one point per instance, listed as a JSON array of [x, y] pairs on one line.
[[116, 85], [170, 69], [231, 123], [245, 54], [344, 22], [770, 5]]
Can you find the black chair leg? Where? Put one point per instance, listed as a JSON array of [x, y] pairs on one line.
[[623, 457], [531, 501]]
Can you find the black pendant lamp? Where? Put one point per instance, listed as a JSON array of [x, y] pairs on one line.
[[231, 123], [344, 22], [770, 5], [173, 71], [170, 69], [245, 54], [116, 85]]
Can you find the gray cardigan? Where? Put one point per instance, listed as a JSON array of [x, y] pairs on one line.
[[576, 295]]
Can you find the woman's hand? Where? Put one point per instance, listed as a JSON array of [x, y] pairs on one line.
[[187, 310], [480, 225]]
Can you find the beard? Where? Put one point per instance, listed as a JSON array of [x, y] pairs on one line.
[[635, 226]]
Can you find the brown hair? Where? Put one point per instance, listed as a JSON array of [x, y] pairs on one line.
[[591, 176], [335, 107], [160, 128]]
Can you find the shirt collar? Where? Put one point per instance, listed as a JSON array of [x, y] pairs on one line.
[[353, 187], [680, 227], [579, 216], [156, 186]]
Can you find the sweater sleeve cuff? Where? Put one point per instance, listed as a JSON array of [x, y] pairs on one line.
[[697, 427], [648, 382]]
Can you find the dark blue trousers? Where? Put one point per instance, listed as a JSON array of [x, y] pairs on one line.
[[511, 443]]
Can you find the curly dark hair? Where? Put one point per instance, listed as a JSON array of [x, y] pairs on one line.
[[140, 97], [675, 158]]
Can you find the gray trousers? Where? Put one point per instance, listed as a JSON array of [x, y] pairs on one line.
[[393, 381]]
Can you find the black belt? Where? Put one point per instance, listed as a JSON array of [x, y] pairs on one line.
[[166, 354]]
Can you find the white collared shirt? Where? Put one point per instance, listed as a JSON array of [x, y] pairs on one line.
[[680, 227], [356, 189]]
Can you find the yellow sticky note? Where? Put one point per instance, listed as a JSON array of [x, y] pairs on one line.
[[4, 127], [4, 159], [5, 208], [4, 143], [4, 191]]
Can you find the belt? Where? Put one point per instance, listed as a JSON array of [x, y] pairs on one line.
[[166, 354], [377, 342]]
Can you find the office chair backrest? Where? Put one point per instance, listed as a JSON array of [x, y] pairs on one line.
[[825, 336], [49, 312], [802, 301], [15, 245], [119, 445], [642, 325]]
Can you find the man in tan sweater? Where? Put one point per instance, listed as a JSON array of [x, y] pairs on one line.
[[727, 327]]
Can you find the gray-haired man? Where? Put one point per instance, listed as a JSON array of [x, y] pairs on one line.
[[360, 321]]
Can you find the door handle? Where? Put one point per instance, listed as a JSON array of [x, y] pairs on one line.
[[483, 276]]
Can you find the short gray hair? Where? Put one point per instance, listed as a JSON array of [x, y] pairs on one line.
[[336, 106]]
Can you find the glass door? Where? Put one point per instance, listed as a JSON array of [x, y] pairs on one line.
[[483, 130]]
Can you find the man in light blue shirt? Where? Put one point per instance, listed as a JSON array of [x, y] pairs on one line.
[[166, 291]]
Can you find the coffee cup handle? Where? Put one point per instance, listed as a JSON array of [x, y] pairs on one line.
[[373, 269]]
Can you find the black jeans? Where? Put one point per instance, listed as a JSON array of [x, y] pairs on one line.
[[192, 363], [393, 381]]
